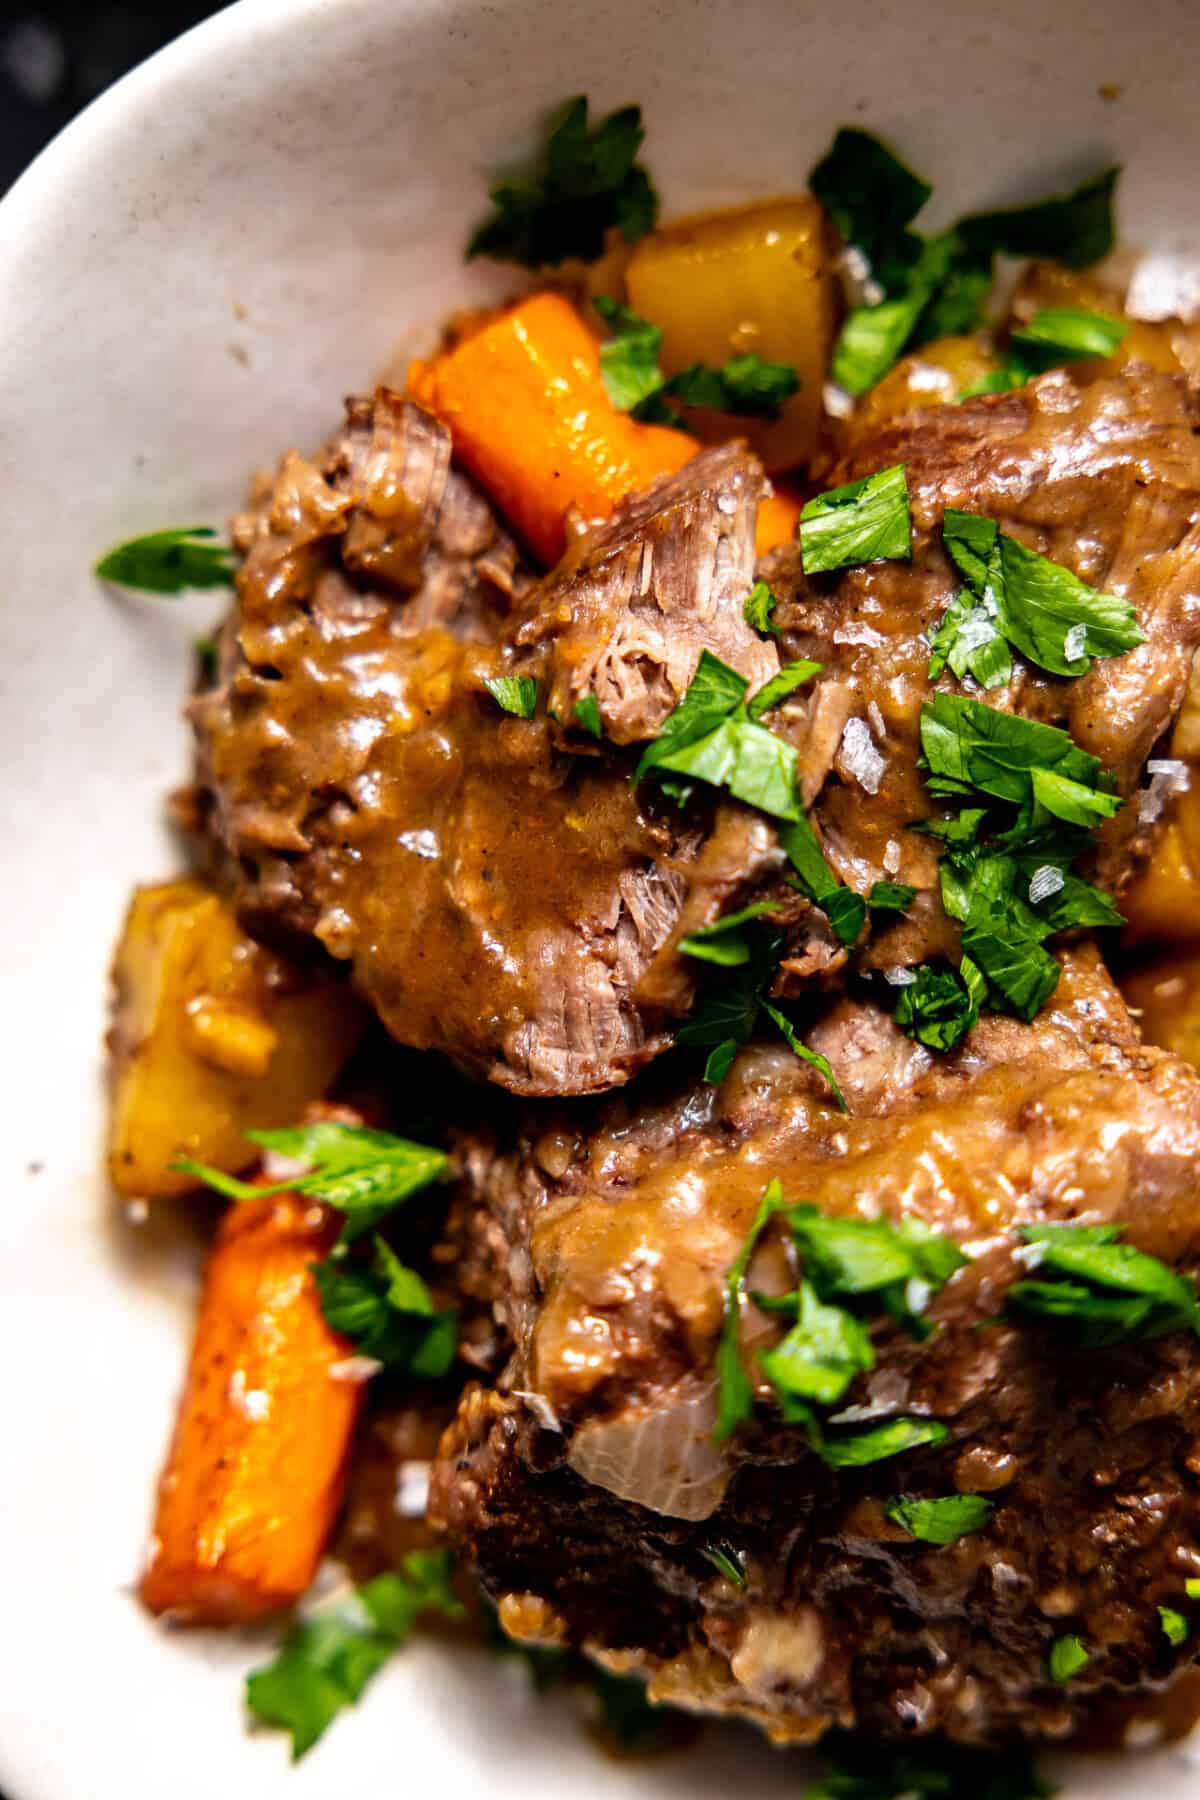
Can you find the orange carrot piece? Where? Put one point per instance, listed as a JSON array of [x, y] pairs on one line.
[[778, 517], [254, 1477], [531, 418]]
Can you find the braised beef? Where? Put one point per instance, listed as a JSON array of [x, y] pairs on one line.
[[585, 1487], [501, 890], [1103, 477]]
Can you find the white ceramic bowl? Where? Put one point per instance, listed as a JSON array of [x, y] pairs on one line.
[[190, 280]]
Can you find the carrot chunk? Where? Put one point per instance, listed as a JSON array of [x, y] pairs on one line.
[[254, 1477], [530, 417]]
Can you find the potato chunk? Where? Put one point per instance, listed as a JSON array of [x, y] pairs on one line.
[[211, 1035], [1164, 901], [1166, 994], [751, 278], [938, 374]]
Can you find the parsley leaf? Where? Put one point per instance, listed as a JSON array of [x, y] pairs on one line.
[[735, 1396], [798, 1048], [872, 338], [1104, 1291], [587, 181], [359, 1172], [1075, 229], [891, 896], [1176, 1629], [845, 910], [863, 1770], [628, 359], [515, 693], [967, 640], [789, 678], [327, 1659], [856, 1449], [726, 1562], [941, 1521], [934, 287], [940, 1005], [821, 1355], [871, 197], [725, 943], [864, 521], [1059, 334], [586, 714], [727, 1016], [1067, 1657], [710, 737], [387, 1312], [969, 746], [758, 609], [745, 385], [170, 562], [1044, 611], [893, 1267]]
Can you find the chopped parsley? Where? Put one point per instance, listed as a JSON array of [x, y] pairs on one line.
[[941, 1521], [517, 694], [170, 562], [872, 198], [853, 1270], [1075, 229], [1101, 1290], [971, 748], [586, 181], [864, 521], [744, 385], [789, 678], [387, 1312], [1009, 888], [845, 910], [711, 737], [727, 1562], [735, 1396], [327, 1659], [1058, 334], [930, 287], [1176, 1629], [891, 896], [357, 1171], [1068, 1655], [1024, 600], [759, 608], [586, 714], [727, 1016], [860, 1769], [940, 1005], [629, 358], [725, 943], [207, 655]]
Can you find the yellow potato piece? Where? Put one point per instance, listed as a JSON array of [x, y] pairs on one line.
[[1164, 901], [1168, 344], [211, 1036], [938, 374], [1167, 996], [753, 278]]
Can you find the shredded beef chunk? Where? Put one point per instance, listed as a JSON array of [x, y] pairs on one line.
[[500, 889], [587, 1488], [1102, 477]]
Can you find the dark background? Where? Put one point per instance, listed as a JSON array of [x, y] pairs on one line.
[[57, 55]]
